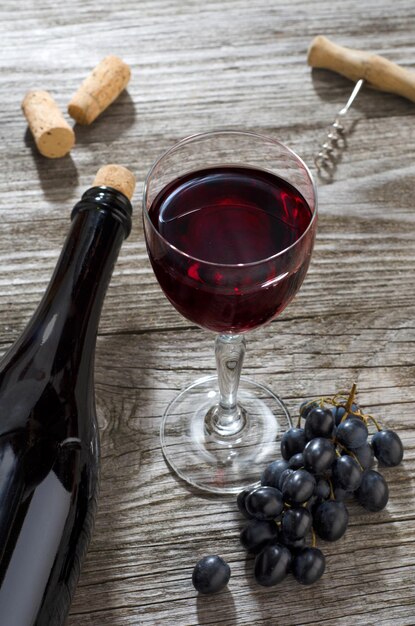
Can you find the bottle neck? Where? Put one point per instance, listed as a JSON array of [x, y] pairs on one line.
[[66, 321], [58, 345]]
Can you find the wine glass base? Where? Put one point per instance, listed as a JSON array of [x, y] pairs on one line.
[[213, 461]]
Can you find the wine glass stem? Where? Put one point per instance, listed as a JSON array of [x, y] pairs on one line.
[[228, 418], [229, 352]]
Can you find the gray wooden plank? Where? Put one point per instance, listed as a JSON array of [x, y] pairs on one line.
[[197, 67]]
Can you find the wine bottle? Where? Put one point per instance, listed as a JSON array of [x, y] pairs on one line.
[[49, 442]]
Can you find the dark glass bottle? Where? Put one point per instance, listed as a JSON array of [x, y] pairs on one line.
[[49, 444]]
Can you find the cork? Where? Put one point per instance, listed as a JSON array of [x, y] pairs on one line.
[[99, 89], [52, 134], [117, 177]]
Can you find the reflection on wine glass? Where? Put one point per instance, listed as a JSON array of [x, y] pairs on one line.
[[229, 220]]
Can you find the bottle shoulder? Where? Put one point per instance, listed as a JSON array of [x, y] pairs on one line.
[[45, 406]]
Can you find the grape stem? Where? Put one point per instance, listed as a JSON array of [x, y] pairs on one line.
[[350, 453], [351, 397], [376, 423], [313, 538], [349, 402], [331, 489]]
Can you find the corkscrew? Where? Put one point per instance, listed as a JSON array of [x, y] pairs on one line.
[[363, 68], [336, 135]]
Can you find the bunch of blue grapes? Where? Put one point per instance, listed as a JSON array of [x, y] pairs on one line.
[[327, 458]]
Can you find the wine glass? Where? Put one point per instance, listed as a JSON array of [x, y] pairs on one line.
[[229, 220]]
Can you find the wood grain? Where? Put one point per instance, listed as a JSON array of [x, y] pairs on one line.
[[197, 67]]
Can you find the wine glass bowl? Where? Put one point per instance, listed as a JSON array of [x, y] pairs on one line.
[[229, 220]]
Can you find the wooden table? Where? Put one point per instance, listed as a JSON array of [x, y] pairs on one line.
[[201, 66]]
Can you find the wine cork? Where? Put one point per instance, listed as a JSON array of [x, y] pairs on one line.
[[52, 134], [99, 89], [117, 177]]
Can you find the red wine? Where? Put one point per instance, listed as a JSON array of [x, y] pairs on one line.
[[221, 229], [48, 431]]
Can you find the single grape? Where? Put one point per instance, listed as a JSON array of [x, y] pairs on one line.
[[319, 455], [240, 501], [296, 461], [292, 441], [211, 574], [272, 472], [272, 565], [373, 493], [296, 523], [364, 455], [322, 489], [308, 566], [387, 447], [284, 475], [306, 406], [352, 433], [330, 519], [339, 411], [346, 473], [264, 503], [256, 534], [319, 423], [298, 487]]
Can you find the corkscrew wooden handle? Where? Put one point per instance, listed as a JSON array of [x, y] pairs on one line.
[[355, 64]]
